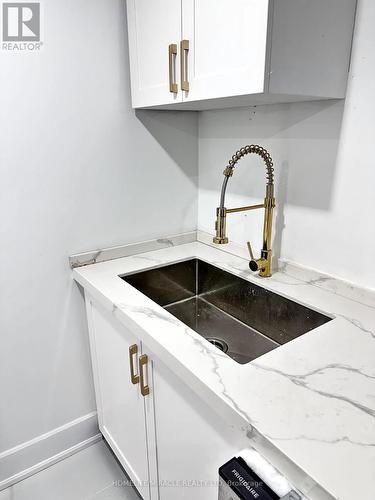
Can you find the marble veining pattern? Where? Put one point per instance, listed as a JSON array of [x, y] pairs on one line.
[[302, 274], [105, 254], [312, 400]]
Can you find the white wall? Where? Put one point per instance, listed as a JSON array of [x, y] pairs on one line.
[[324, 165], [79, 170]]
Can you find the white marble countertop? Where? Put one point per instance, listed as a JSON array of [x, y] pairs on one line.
[[308, 406]]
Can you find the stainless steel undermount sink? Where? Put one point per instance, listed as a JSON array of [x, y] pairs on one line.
[[240, 318]]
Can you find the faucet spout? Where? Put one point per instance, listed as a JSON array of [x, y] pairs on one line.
[[263, 265]]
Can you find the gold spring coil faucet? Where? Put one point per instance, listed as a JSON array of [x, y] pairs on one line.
[[263, 264]]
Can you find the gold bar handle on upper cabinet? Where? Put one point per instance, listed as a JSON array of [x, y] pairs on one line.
[[133, 351], [143, 360], [184, 51], [172, 52]]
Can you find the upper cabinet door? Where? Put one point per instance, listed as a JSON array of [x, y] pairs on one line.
[[227, 47], [154, 39]]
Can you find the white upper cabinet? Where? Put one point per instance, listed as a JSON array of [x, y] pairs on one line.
[[154, 28], [228, 42], [238, 52]]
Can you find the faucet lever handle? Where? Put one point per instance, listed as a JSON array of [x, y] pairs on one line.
[[254, 264], [250, 250]]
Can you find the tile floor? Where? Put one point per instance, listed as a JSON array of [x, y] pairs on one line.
[[90, 474]]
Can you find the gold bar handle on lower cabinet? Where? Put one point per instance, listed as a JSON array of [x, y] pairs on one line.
[[184, 51], [143, 360], [172, 53], [133, 351]]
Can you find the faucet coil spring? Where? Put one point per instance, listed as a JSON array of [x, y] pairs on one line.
[[253, 148]]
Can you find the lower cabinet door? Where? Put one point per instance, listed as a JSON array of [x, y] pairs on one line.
[[120, 404], [192, 441]]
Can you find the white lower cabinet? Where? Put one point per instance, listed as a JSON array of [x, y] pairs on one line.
[[192, 440], [169, 441], [121, 407]]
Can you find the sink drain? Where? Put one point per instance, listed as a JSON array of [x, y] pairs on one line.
[[220, 344]]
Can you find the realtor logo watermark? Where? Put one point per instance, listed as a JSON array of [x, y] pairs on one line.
[[21, 26]]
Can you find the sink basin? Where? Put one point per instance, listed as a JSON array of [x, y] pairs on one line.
[[240, 318]]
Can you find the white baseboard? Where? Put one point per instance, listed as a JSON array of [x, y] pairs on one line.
[[45, 450]]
